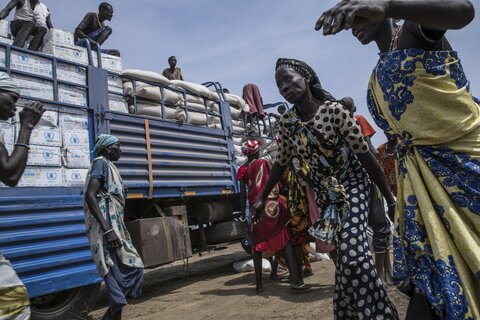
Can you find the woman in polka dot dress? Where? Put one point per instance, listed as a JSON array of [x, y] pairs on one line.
[[323, 134]]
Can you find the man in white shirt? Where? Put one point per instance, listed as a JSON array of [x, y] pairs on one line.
[[24, 23], [42, 16]]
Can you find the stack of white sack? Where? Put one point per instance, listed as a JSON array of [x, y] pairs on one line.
[[177, 95]]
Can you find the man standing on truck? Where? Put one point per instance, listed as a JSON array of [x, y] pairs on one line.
[[173, 73], [14, 302], [24, 24], [92, 29]]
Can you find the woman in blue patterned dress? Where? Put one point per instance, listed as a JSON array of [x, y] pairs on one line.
[[115, 256], [419, 95]]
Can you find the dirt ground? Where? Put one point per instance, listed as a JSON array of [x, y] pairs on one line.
[[209, 288]]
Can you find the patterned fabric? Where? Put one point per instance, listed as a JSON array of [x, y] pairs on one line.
[[112, 204], [359, 292], [250, 147], [14, 301], [387, 162], [322, 157], [269, 233], [103, 141], [423, 100], [322, 148]]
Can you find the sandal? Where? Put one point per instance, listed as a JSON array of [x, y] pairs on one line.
[[301, 287]]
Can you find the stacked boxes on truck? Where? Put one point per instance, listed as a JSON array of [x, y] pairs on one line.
[[61, 44], [4, 38], [59, 153]]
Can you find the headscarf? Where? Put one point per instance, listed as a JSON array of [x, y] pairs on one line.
[[250, 147], [103, 141], [8, 84], [306, 71]]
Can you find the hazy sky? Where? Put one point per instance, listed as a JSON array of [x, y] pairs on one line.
[[236, 42]]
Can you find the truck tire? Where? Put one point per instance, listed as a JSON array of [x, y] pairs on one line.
[[70, 304], [225, 232], [213, 211]]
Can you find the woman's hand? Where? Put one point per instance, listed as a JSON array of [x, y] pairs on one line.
[[256, 210], [351, 13], [113, 241]]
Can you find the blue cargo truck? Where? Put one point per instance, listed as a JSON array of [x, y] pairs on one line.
[[164, 165]]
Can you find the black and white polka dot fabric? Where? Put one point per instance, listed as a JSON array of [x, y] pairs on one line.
[[359, 293], [332, 120]]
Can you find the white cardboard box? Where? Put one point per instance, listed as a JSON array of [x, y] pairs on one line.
[[76, 139], [109, 62], [32, 64], [2, 51], [44, 136], [117, 103], [42, 177], [4, 28], [73, 121], [115, 83], [6, 40], [8, 132], [75, 54], [72, 95], [44, 156], [74, 177], [71, 73], [57, 37], [33, 87], [77, 158]]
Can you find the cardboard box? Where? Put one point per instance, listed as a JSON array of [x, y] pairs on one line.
[[74, 177], [6, 40], [57, 37], [77, 158], [44, 136], [42, 177], [33, 87], [73, 121], [71, 73], [7, 130], [31, 64], [75, 54], [160, 240], [109, 62], [3, 60], [44, 156], [72, 95], [4, 28], [115, 83], [76, 139], [117, 103]]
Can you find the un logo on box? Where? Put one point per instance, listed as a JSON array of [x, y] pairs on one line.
[[47, 155], [51, 176]]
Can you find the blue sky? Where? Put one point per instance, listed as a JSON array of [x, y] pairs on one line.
[[237, 42]]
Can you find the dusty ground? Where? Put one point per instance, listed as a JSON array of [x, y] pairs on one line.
[[209, 288]]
